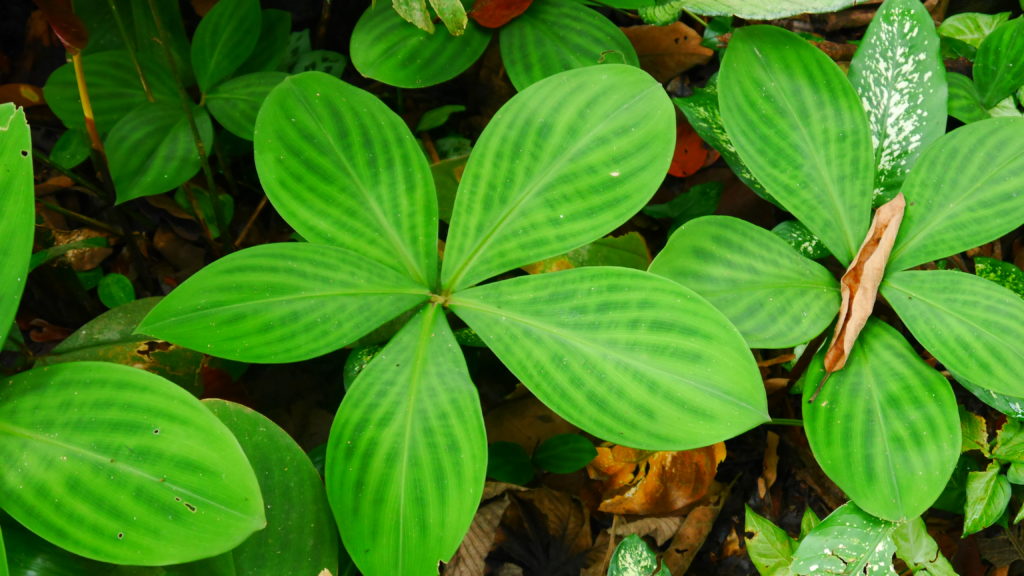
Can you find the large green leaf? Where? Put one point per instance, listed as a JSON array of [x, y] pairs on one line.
[[885, 428], [300, 537], [801, 129], [119, 465], [17, 205], [408, 453], [957, 201], [236, 102], [971, 27], [999, 65], [281, 303], [899, 75], [224, 39], [558, 35], [152, 149], [568, 179], [3, 557], [774, 296], [386, 48], [972, 325], [584, 339], [343, 169], [850, 541], [762, 9]]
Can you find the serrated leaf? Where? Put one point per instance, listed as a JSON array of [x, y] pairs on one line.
[[1009, 442], [173, 483], [899, 75], [580, 339], [918, 549], [17, 204], [567, 181], [558, 35], [801, 129], [973, 431], [972, 27], [952, 210], [633, 557], [988, 494], [964, 101], [281, 303], [849, 541], [770, 548], [753, 277], [407, 453], [999, 65], [885, 427], [973, 326], [335, 185], [236, 102], [223, 40]]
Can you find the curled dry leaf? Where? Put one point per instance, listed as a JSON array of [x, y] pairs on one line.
[[859, 286], [667, 51]]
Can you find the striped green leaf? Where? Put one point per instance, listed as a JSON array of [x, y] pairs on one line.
[[557, 35], [3, 557], [385, 47], [584, 339], [975, 327], [763, 9], [754, 277], [885, 428], [281, 303], [343, 169], [541, 181], [301, 536], [964, 101], [152, 149], [849, 541], [999, 65], [119, 465], [971, 27], [272, 46], [801, 129], [899, 75], [408, 453], [236, 102], [223, 40], [957, 201], [17, 205]]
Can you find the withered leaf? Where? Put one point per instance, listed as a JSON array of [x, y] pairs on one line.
[[497, 13], [667, 51], [472, 553]]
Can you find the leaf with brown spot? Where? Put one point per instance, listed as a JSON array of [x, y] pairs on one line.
[[667, 51], [497, 13]]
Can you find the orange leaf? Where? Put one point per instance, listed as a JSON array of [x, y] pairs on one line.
[[24, 95], [497, 13], [690, 154], [667, 51]]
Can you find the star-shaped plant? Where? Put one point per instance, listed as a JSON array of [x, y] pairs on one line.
[[563, 163], [885, 426]]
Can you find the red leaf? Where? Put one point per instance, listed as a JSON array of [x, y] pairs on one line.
[[68, 27], [497, 13], [691, 154]]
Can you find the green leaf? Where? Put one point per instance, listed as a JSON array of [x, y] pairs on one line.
[[272, 46], [950, 210], [148, 36], [1009, 442], [326, 61], [236, 102], [849, 541], [152, 149], [999, 64], [583, 339], [300, 536], [281, 303], [1012, 406], [564, 453], [436, 117], [972, 27], [973, 432], [343, 169], [754, 277], [17, 204], [71, 149], [900, 78], [633, 557], [407, 454], [973, 326], [770, 548], [964, 100], [115, 290], [509, 462], [451, 12], [3, 557], [1006, 274], [801, 239], [763, 9], [223, 40], [988, 495], [800, 127], [699, 200], [918, 549], [628, 251], [807, 522], [566, 182], [558, 35], [173, 482], [384, 47], [885, 427]]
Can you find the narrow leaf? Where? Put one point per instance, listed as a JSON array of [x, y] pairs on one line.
[[753, 277], [236, 102], [223, 40], [988, 495], [849, 541], [998, 72], [281, 303], [801, 129], [582, 339], [17, 205], [407, 453], [567, 181]]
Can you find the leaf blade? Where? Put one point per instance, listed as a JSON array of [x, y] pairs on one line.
[[17, 204], [223, 40]]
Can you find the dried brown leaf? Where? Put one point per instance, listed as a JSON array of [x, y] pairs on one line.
[[667, 51], [472, 553], [661, 529], [694, 530], [770, 471]]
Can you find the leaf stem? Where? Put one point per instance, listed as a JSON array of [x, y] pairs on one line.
[[786, 422]]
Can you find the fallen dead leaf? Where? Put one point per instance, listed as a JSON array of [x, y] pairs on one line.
[[525, 421], [695, 529], [661, 528], [82, 259], [667, 51], [472, 553], [497, 13], [770, 470], [691, 154]]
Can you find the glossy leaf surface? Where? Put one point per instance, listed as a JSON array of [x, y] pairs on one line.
[[770, 547], [900, 78], [753, 277], [223, 40], [949, 210], [408, 453], [885, 428], [971, 27], [119, 465], [849, 541], [999, 65], [964, 101], [570, 178], [988, 494], [633, 557], [335, 185], [17, 205], [764, 9], [973, 326], [916, 547], [558, 35], [281, 303], [585, 338], [801, 129], [451, 12], [236, 102]]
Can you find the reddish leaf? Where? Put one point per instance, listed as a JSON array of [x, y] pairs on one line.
[[24, 95], [68, 27], [497, 13], [667, 51], [691, 153]]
